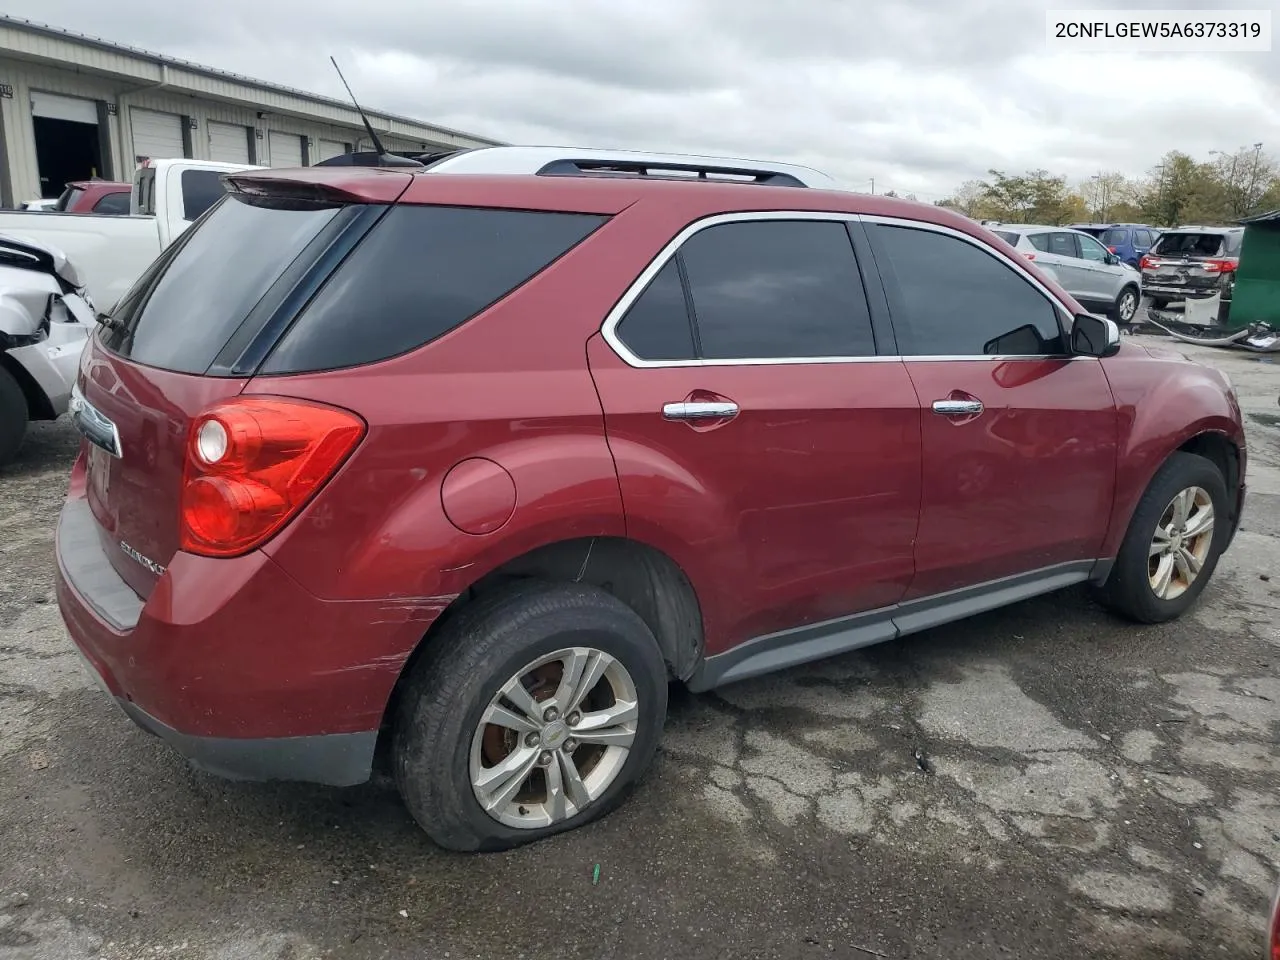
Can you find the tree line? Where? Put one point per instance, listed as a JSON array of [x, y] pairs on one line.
[[1178, 190]]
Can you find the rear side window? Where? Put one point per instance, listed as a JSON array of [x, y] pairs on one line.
[[1189, 245], [1063, 245], [112, 204], [657, 326], [775, 289], [1040, 241], [183, 310], [421, 272], [951, 299], [201, 189], [1113, 238], [759, 290]]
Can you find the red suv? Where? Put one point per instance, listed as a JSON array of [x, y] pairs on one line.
[[471, 467]]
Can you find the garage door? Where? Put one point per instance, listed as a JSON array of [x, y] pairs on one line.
[[57, 107], [228, 142], [330, 148], [286, 149], [157, 136]]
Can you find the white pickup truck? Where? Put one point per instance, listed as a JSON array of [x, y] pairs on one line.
[[110, 253]]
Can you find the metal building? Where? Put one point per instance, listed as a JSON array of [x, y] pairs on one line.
[[73, 107]]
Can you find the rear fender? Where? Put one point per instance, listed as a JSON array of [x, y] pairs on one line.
[[403, 541]]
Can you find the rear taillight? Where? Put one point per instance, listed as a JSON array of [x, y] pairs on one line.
[[1218, 266], [251, 465], [1273, 941], [1146, 263]]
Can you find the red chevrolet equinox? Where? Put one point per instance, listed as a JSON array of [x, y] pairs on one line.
[[469, 467]]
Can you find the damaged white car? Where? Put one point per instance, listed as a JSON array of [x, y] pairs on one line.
[[46, 317]]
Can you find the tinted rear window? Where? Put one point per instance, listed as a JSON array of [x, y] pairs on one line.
[[68, 198], [421, 272], [183, 310], [201, 189], [112, 204], [1189, 245]]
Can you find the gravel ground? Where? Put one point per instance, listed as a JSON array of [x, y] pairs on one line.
[[1043, 781]]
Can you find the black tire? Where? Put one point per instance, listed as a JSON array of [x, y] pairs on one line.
[[1128, 589], [1128, 294], [477, 652], [13, 416]]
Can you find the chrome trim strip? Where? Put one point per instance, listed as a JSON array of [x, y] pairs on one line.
[[609, 328]]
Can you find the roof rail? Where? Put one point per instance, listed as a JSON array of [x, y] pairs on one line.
[[573, 161]]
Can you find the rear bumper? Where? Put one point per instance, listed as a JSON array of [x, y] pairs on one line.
[[336, 759], [233, 663]]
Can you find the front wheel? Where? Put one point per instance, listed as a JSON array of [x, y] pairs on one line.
[[535, 711], [13, 416], [1177, 533], [1125, 307]]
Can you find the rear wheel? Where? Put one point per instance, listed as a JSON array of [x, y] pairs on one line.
[[1177, 533], [535, 711], [13, 416], [1126, 306]]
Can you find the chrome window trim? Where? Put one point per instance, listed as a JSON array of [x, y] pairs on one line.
[[609, 328]]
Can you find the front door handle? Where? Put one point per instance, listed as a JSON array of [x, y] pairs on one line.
[[700, 410], [957, 408]]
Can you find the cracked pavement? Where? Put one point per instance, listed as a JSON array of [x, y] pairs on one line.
[[1041, 781]]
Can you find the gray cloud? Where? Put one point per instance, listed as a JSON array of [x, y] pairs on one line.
[[919, 94]]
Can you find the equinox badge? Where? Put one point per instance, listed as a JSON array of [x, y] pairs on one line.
[[147, 562]]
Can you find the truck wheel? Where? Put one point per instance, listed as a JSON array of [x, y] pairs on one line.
[[536, 710], [13, 416], [1125, 307], [1177, 533]]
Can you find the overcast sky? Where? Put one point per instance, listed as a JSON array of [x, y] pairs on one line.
[[919, 94]]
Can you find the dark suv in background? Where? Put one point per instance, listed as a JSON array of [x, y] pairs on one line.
[[1128, 241], [1192, 262]]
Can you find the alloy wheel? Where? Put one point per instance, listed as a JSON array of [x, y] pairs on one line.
[[1128, 305], [1181, 543], [554, 738]]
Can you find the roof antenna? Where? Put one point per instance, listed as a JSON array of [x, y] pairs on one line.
[[378, 157]]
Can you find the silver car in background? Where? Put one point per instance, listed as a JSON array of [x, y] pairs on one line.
[[1082, 266]]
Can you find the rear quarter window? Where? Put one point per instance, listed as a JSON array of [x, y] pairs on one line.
[[1007, 236], [421, 272]]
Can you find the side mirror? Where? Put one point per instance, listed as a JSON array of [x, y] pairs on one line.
[[1112, 259], [1093, 336]]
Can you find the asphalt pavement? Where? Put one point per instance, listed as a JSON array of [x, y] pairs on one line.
[[1043, 781]]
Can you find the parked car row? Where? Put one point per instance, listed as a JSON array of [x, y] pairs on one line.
[[467, 469], [1086, 269]]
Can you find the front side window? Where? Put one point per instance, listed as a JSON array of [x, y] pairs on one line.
[[951, 298], [1091, 249]]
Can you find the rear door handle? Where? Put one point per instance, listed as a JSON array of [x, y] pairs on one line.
[[700, 410], [957, 408]]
